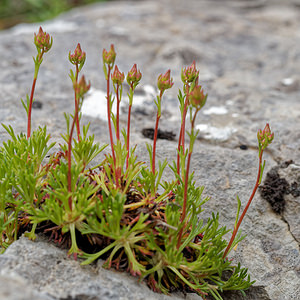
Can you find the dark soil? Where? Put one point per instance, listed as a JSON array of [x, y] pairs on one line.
[[161, 134], [273, 190]]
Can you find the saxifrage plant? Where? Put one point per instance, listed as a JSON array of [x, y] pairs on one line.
[[114, 211]]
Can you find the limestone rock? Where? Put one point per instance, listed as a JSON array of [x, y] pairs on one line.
[[44, 272], [249, 65]]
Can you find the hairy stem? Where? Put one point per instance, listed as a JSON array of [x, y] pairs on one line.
[[128, 135], [156, 130], [76, 104], [70, 153], [182, 132], [186, 179], [36, 71], [118, 159], [30, 108], [109, 116], [183, 215], [236, 228], [154, 143], [118, 114]]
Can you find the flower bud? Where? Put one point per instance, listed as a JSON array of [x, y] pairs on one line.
[[81, 87], [197, 97], [265, 137], [42, 40], [189, 74], [78, 57], [164, 81], [110, 56], [117, 77], [134, 76]]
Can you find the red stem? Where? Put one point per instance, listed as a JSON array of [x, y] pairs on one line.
[[30, 109], [76, 108], [109, 118], [70, 153], [186, 180], [235, 230], [31, 96], [118, 168], [154, 143], [182, 132], [109, 127], [128, 135], [118, 114], [184, 198]]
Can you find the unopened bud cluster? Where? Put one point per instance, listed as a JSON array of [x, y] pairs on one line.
[[134, 76], [81, 87], [78, 57], [109, 57], [117, 76], [189, 74], [43, 41], [265, 137], [197, 97], [165, 81]]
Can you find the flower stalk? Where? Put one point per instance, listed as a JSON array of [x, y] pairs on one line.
[[80, 89], [77, 59], [189, 77], [264, 137], [133, 78], [43, 42], [117, 78], [108, 58], [197, 101], [164, 82]]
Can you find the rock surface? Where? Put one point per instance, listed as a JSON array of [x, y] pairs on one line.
[[46, 268], [249, 61]]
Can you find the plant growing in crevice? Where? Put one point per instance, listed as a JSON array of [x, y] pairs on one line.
[[116, 210], [264, 137], [78, 60], [43, 43], [133, 78]]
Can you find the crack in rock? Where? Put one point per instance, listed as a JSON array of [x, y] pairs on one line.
[[281, 189]]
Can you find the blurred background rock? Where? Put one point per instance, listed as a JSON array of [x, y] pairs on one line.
[[13, 12]]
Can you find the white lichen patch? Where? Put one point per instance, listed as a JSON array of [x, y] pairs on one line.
[[215, 110], [58, 26], [287, 81], [214, 133], [95, 104]]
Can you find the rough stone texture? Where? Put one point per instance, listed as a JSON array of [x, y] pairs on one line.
[[249, 61], [14, 287], [292, 199], [46, 268]]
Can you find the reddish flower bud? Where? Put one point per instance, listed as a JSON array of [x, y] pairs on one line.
[[78, 57], [117, 77], [164, 81], [190, 73], [81, 87], [197, 97], [134, 76], [265, 137], [110, 56], [42, 40]]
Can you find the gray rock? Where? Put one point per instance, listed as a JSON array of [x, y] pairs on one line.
[[14, 287], [292, 199], [249, 64], [47, 270]]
